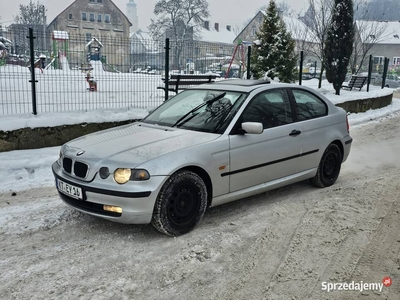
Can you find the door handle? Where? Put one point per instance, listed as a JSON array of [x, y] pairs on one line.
[[295, 133]]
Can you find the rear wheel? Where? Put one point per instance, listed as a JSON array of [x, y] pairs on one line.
[[329, 167], [181, 204]]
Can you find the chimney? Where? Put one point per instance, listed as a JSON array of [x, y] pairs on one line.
[[207, 25], [216, 26], [228, 27]]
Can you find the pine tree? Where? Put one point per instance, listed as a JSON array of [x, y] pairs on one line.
[[339, 43], [273, 52]]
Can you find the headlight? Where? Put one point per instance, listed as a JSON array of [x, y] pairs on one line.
[[122, 176]]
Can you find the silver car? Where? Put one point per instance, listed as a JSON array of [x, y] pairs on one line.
[[204, 147]]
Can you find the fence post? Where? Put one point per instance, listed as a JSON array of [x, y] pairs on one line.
[[248, 62], [301, 67], [33, 80], [166, 68], [385, 71], [315, 69], [369, 72]]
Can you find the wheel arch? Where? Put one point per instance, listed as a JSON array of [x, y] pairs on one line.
[[340, 145], [205, 177]]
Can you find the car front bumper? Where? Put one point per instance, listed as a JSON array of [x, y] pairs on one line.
[[135, 198]]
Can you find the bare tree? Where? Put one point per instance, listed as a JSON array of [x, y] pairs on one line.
[[318, 18], [178, 20], [31, 14], [285, 9]]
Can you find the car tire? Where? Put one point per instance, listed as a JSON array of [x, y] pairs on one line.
[[329, 167], [181, 204]]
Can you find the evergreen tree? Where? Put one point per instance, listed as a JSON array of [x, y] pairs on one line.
[[339, 43], [273, 52]]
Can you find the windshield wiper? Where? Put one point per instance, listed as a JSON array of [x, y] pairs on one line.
[[179, 122]]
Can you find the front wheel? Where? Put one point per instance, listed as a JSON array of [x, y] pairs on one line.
[[181, 204], [329, 167]]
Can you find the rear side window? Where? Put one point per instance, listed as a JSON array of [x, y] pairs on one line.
[[308, 105], [271, 108]]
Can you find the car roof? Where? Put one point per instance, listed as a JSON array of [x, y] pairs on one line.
[[240, 85]]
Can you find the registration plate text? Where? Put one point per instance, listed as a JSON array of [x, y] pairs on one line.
[[68, 189]]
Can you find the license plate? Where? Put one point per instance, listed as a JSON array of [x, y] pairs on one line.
[[68, 189]]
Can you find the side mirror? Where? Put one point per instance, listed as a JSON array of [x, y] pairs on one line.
[[253, 127]]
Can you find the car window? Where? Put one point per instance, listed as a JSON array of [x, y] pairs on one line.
[[270, 108], [308, 105]]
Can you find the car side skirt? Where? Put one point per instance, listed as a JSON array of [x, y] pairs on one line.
[[261, 188]]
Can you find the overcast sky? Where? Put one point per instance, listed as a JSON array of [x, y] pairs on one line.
[[225, 12]]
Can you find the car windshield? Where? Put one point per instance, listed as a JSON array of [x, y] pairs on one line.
[[201, 110]]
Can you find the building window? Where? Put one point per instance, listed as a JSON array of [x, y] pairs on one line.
[[99, 18], [84, 16], [91, 16], [378, 60], [99, 1], [253, 32], [70, 16], [396, 61], [107, 18], [92, 1], [88, 37]]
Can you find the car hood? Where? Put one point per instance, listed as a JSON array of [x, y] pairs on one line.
[[133, 144]]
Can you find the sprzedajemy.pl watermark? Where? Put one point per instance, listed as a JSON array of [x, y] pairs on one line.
[[356, 286]]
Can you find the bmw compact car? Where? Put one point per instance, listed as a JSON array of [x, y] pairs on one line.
[[206, 146]]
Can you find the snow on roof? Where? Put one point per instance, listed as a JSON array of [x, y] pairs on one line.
[[299, 30], [223, 35], [94, 40], [146, 40], [60, 35], [379, 32], [5, 41]]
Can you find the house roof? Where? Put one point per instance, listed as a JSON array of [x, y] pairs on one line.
[[379, 32], [130, 24], [146, 40], [296, 27], [299, 30], [94, 40], [223, 35]]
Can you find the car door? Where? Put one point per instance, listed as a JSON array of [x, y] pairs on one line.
[[273, 154], [314, 124]]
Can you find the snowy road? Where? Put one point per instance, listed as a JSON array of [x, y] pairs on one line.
[[278, 245]]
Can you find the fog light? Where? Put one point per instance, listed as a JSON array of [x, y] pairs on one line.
[[111, 208]]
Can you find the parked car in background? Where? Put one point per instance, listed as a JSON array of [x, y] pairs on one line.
[[392, 81], [204, 147]]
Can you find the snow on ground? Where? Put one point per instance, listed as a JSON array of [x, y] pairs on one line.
[[25, 169]]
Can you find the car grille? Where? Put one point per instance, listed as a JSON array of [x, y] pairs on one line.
[[80, 169]]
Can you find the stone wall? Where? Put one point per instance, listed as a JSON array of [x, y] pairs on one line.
[[357, 106], [33, 138]]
